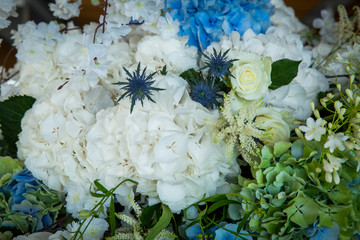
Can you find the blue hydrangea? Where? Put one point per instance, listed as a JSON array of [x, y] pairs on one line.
[[21, 182], [205, 21], [222, 234], [323, 233], [29, 205], [196, 233]]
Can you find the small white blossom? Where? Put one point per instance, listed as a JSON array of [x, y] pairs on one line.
[[313, 129], [336, 141]]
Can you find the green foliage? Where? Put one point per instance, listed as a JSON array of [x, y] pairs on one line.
[[191, 76], [8, 166], [12, 111], [163, 71], [283, 72], [100, 208]]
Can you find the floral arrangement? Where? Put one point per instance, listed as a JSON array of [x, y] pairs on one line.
[[181, 120]]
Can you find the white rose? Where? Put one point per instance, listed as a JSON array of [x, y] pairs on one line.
[[251, 75], [276, 128]]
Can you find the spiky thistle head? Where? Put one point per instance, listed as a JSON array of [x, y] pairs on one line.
[[205, 91], [138, 86], [218, 64]]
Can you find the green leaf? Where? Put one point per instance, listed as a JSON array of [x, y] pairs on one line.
[[220, 204], [283, 72], [244, 220], [12, 111], [97, 195], [147, 215], [161, 224], [191, 76], [163, 71], [100, 186], [112, 216]]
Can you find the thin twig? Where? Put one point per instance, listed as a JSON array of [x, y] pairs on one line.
[[55, 223], [336, 76]]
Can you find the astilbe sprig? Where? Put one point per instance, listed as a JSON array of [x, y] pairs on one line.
[[238, 129], [138, 87], [136, 231]]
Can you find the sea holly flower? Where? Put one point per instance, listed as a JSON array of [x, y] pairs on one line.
[[206, 93], [218, 64], [336, 141], [138, 86], [313, 129]]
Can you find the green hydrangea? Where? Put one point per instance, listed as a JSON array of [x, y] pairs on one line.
[[288, 194]]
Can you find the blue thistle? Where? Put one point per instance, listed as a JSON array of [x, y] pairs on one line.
[[218, 64], [205, 91], [138, 86]]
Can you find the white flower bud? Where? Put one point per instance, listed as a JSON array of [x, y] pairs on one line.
[[299, 133], [338, 86], [357, 100], [338, 106], [350, 94], [312, 105]]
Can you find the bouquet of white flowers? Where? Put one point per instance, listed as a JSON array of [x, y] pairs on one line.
[[181, 119]]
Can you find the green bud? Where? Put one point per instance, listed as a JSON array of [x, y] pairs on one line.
[[84, 214]]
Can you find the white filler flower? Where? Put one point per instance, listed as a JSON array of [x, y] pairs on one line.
[[313, 129]]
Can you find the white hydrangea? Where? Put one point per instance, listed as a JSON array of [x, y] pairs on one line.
[[165, 146], [95, 230], [285, 16], [155, 52], [279, 43], [52, 141], [121, 12]]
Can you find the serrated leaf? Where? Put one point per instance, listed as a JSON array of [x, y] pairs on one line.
[[12, 111], [161, 224], [283, 72]]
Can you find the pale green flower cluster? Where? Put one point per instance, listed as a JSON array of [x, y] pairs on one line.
[[337, 133]]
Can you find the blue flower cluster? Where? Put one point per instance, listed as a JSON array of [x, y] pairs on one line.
[[205, 21], [32, 206]]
